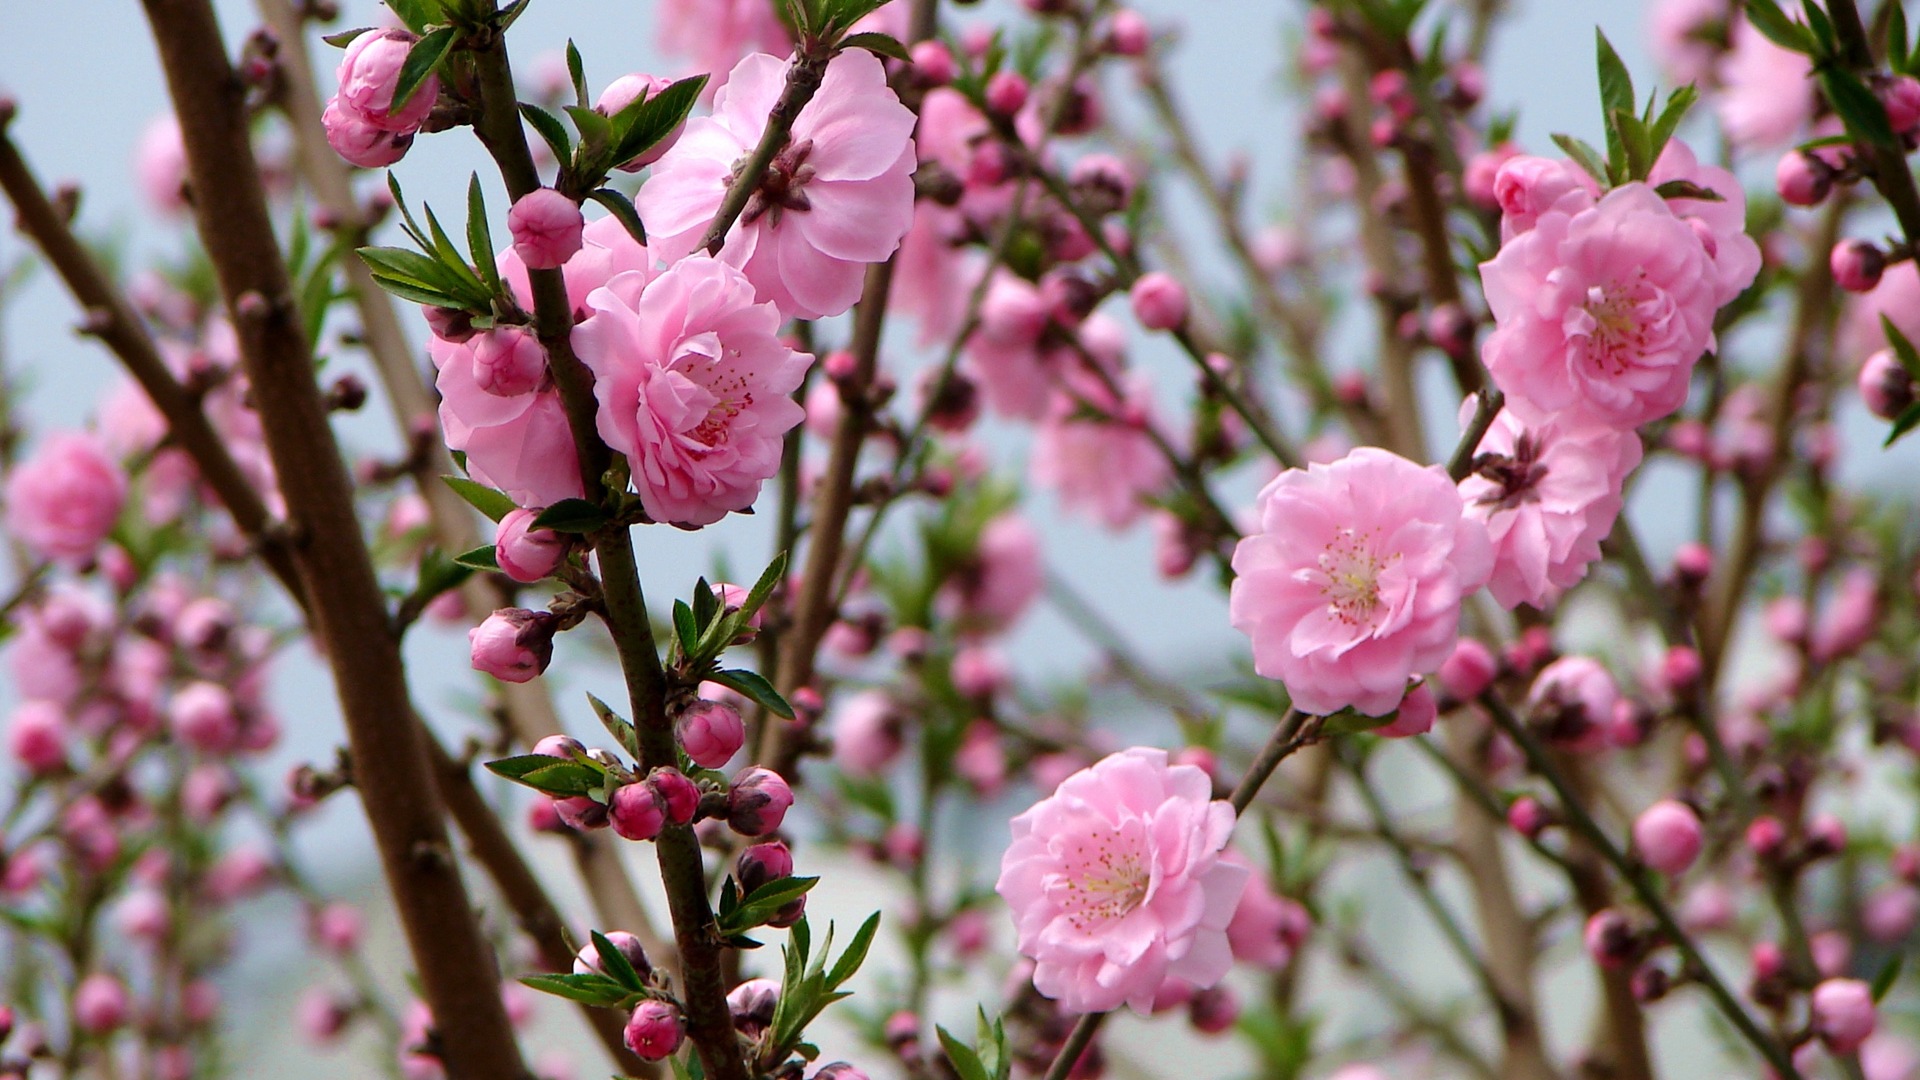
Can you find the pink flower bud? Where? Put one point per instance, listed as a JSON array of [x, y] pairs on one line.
[[1680, 668], [588, 959], [1415, 716], [981, 760], [637, 812], [1890, 913], [100, 1004], [761, 864], [1469, 671], [1609, 939], [361, 143], [1159, 302], [677, 793], [37, 737], [202, 716], [337, 928], [369, 76], [524, 553], [623, 92], [1901, 96], [322, 1016], [508, 361], [1885, 386], [1006, 93], [546, 227], [1843, 1014], [751, 1006], [144, 915], [1128, 33], [512, 644], [711, 732], [1213, 1010], [1826, 835], [1528, 817], [1803, 179], [933, 62], [1857, 265], [1668, 836], [1766, 836], [840, 1070], [655, 1030], [758, 801], [978, 671], [1692, 562]]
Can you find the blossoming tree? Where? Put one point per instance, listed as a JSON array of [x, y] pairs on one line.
[[1617, 788]]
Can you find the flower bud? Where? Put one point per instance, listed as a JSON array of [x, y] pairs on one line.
[[526, 554], [337, 928], [512, 644], [202, 716], [1826, 835], [1006, 93], [758, 801], [1680, 668], [1610, 939], [761, 864], [369, 77], [1857, 265], [1843, 1014], [587, 961], [37, 737], [1415, 716], [1159, 302], [623, 92], [322, 1016], [508, 362], [1213, 1010], [840, 1070], [1469, 671], [711, 732], [1128, 33], [100, 1004], [1885, 386], [637, 811], [1650, 984], [751, 1006], [932, 62], [1528, 817], [1668, 836], [655, 1030], [1803, 179], [449, 324], [677, 793], [1901, 95], [1765, 836], [546, 227]]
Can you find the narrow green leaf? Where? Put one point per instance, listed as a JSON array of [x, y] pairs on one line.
[[454, 260], [1858, 108], [1687, 189], [1889, 974], [856, 954], [571, 516], [554, 776], [643, 123], [754, 687], [1898, 50], [1584, 156], [1766, 17], [616, 726], [417, 14], [494, 504], [596, 131], [577, 71], [965, 1061], [615, 963], [770, 579], [589, 989], [1669, 119], [511, 14], [407, 222], [550, 129], [411, 266], [1821, 25], [480, 558], [1616, 85], [480, 236], [1903, 349], [407, 289], [878, 44], [621, 207], [706, 604], [423, 60], [1906, 422], [685, 628], [345, 37]]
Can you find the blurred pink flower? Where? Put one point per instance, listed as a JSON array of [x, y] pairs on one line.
[[716, 34], [1095, 453], [1678, 34], [160, 165], [1116, 882], [695, 386], [993, 589], [1766, 92], [837, 197], [64, 500], [1353, 581]]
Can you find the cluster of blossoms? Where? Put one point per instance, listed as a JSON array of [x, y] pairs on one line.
[[365, 123]]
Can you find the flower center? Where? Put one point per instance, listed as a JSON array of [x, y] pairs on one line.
[[1106, 878], [1516, 476], [780, 190], [710, 364], [1615, 324], [1350, 576]]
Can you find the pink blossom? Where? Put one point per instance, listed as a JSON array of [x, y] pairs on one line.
[[1668, 836], [100, 1004], [1096, 454], [1117, 882], [1159, 301], [866, 733], [1267, 929], [993, 590], [1890, 912], [1415, 716], [369, 76], [1885, 386], [655, 1029], [1849, 618], [1897, 297], [837, 197], [363, 143], [1525, 187], [981, 760], [694, 385], [1573, 700], [1766, 93], [1720, 223], [711, 732], [160, 164], [37, 737], [546, 227], [524, 553], [519, 444], [623, 92], [1548, 493], [1602, 312], [716, 34], [1353, 581], [512, 645], [203, 716], [1843, 1014], [64, 500]]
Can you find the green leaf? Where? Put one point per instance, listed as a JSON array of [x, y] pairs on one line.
[[965, 1061], [1821, 25], [412, 266], [706, 604], [511, 14], [1616, 93], [407, 223], [480, 558], [480, 236], [494, 504], [596, 131], [1687, 189], [855, 954], [621, 207], [615, 963], [1889, 974], [588, 989], [765, 903], [1903, 349], [571, 516], [644, 122], [554, 776], [616, 726], [577, 72], [1766, 17], [1861, 111], [1669, 119], [879, 44], [685, 628], [549, 128], [417, 14], [1898, 52], [456, 262], [1906, 422], [408, 289], [1584, 156], [345, 37], [770, 579], [754, 687], [422, 60]]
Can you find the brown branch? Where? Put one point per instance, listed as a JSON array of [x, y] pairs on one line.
[[803, 79], [457, 969]]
